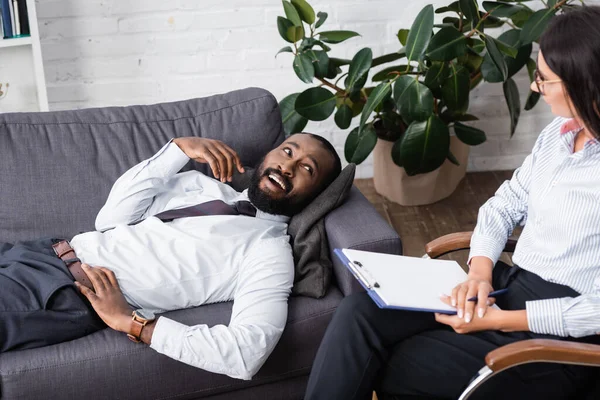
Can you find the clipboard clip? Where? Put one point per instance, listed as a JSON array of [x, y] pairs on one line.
[[363, 275]]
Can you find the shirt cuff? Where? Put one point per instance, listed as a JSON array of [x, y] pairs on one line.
[[485, 246], [545, 317], [168, 336], [170, 159]]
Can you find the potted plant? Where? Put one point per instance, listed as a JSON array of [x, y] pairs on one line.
[[409, 109]]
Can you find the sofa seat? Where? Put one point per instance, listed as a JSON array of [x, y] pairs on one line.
[[107, 365]]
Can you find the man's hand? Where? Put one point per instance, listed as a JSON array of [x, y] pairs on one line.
[[106, 298], [221, 158]]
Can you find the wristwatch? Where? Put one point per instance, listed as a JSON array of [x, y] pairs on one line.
[[139, 319]]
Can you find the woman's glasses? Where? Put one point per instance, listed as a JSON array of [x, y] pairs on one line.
[[540, 82]]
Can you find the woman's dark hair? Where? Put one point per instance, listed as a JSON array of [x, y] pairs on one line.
[[571, 48]]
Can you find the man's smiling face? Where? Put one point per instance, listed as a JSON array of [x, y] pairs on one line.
[[291, 175]]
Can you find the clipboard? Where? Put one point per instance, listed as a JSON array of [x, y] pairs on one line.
[[404, 283]]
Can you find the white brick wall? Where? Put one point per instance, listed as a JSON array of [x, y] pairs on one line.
[[119, 52]]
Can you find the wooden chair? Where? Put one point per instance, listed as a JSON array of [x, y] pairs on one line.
[[523, 352]]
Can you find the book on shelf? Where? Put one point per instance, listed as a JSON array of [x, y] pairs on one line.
[[14, 19], [6, 18]]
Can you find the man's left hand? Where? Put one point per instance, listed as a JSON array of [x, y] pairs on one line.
[[490, 321], [106, 298]]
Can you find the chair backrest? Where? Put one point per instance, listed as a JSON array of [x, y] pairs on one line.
[[57, 168]]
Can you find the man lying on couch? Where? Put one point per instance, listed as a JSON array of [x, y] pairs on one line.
[[167, 240]]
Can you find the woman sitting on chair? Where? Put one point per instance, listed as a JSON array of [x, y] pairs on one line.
[[553, 289]]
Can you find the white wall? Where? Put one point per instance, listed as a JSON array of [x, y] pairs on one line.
[[121, 52]]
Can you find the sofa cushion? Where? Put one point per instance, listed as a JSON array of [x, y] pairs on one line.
[[107, 365], [313, 267], [58, 167]]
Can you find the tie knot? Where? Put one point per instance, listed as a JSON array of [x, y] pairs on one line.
[[245, 208]]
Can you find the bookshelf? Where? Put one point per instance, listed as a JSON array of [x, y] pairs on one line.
[[32, 43]]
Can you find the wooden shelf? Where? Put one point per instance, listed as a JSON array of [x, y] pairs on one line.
[[23, 41]]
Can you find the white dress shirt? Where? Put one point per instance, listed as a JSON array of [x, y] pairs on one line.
[[191, 261], [557, 192]]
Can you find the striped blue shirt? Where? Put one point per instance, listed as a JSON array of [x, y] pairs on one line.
[[555, 194]]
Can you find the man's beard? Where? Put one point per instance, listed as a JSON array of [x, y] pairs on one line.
[[263, 200]]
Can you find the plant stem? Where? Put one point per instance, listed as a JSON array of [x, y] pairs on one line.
[[460, 22], [560, 4], [329, 84], [338, 79]]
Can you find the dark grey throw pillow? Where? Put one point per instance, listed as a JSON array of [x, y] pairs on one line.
[[313, 267]]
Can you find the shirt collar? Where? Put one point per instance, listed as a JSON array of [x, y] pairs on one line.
[[570, 126], [263, 215]]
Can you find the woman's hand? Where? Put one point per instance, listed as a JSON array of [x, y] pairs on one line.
[[221, 158], [492, 320], [472, 287]]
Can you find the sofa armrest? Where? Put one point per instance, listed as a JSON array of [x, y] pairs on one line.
[[357, 225]]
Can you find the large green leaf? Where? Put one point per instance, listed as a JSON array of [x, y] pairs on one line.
[[378, 94], [469, 135], [447, 44], [305, 10], [320, 63], [470, 9], [403, 36], [503, 10], [336, 36], [452, 7], [387, 72], [413, 99], [535, 25], [304, 68], [291, 13], [496, 56], [343, 117], [283, 24], [505, 48], [424, 147], [359, 144], [436, 74], [316, 104], [521, 17], [286, 49], [531, 67], [322, 17], [532, 100], [488, 68], [455, 90], [419, 34], [360, 65], [387, 58], [296, 33], [292, 121], [511, 94]]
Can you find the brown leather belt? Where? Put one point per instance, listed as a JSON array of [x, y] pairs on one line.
[[65, 252]]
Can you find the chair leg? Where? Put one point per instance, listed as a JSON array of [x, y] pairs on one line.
[[483, 375]]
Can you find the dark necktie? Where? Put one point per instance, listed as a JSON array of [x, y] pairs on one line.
[[213, 207]]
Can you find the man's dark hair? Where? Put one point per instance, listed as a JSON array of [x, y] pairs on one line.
[[337, 163], [571, 48]]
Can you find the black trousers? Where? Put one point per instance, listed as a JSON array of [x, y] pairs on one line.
[[405, 354], [39, 304]]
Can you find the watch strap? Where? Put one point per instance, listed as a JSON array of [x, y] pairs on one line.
[[135, 328]]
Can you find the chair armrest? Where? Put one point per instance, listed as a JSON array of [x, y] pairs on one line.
[[357, 225], [458, 241], [543, 350]]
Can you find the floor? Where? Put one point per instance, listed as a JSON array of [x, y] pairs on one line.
[[421, 224]]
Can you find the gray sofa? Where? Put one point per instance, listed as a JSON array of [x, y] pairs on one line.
[[56, 171]]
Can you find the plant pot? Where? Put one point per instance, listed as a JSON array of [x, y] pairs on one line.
[[392, 182]]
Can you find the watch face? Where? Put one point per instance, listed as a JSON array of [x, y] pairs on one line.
[[145, 314]]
